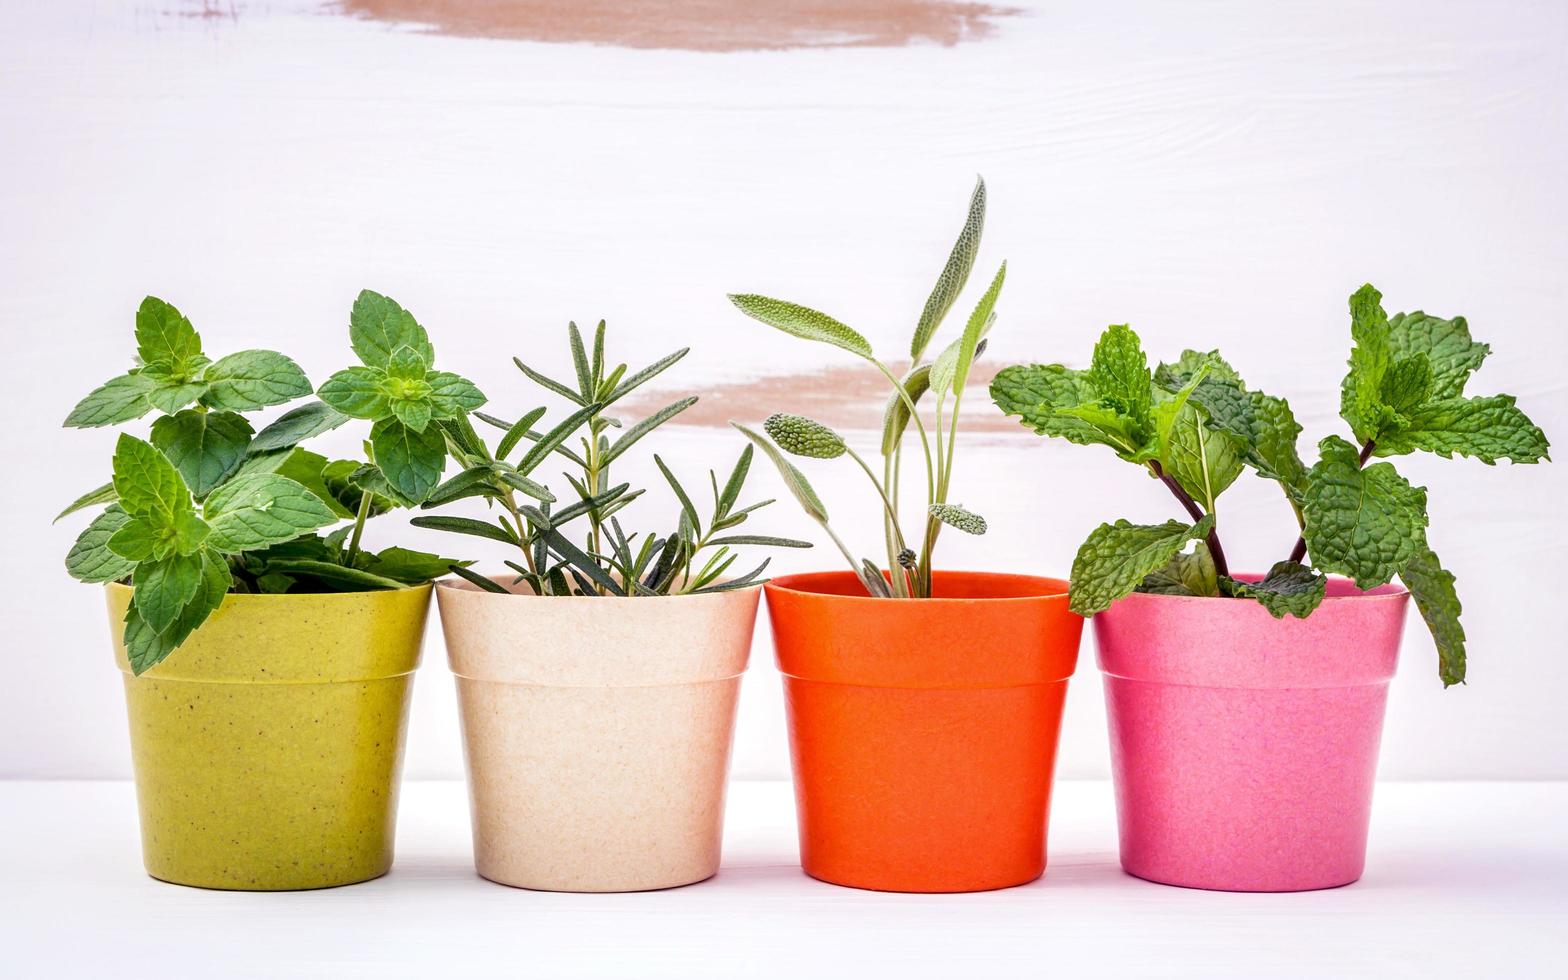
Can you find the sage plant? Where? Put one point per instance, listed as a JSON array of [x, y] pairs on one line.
[[908, 560]]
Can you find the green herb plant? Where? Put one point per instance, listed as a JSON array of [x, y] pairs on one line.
[[596, 557], [908, 560], [206, 505], [1194, 425]]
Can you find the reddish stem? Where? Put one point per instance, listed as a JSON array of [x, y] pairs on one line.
[[1196, 513]]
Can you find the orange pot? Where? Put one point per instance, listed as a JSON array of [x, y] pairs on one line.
[[923, 731]]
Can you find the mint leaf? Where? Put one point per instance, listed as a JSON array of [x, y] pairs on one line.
[[164, 336], [1203, 461], [169, 396], [411, 567], [164, 587], [1191, 574], [407, 364], [116, 400], [1040, 394], [102, 495], [378, 327], [1116, 558], [1289, 587], [412, 461], [803, 322], [90, 559], [1360, 402], [138, 540], [206, 447], [1110, 404], [1271, 444], [259, 509], [1432, 588], [310, 470], [348, 481], [1119, 374], [1262, 426], [146, 648], [1453, 356], [253, 379], [412, 412], [148, 484], [358, 392], [451, 395], [1488, 428], [297, 425], [1406, 384], [1364, 523], [954, 274]]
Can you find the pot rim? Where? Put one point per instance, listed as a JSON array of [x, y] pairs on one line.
[[329, 596], [1388, 592], [455, 584], [1053, 587]]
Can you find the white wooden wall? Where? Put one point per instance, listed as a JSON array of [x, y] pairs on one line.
[[1219, 174]]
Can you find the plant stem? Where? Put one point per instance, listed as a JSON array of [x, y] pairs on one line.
[[359, 527], [932, 464], [854, 565], [510, 500], [914, 416], [1221, 567], [1300, 550], [890, 528]]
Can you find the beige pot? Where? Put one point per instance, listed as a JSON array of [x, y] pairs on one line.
[[597, 732]]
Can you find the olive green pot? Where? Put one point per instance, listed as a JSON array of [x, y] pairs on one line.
[[268, 746]]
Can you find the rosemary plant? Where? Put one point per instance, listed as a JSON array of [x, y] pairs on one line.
[[908, 560], [580, 548]]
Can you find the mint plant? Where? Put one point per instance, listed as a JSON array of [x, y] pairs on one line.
[[397, 387], [600, 559], [908, 560], [206, 505], [1195, 426]]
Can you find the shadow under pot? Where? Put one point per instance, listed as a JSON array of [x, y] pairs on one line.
[[268, 747], [1244, 747], [923, 732], [597, 732]]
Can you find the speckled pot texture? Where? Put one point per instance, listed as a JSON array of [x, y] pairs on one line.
[[1244, 747], [923, 732], [268, 747], [597, 732]]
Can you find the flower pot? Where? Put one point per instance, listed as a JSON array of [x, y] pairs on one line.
[[597, 732], [1244, 747], [268, 747], [923, 731]]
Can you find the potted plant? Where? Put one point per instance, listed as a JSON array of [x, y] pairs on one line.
[[1246, 710], [598, 681], [924, 704], [267, 665]]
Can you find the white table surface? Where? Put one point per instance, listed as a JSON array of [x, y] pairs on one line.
[[1463, 879]]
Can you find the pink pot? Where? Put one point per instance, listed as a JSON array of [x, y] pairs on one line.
[[1244, 747]]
